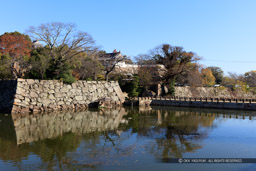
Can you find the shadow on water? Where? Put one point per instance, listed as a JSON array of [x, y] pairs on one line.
[[96, 138]]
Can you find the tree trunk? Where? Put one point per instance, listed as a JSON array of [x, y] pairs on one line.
[[106, 76]]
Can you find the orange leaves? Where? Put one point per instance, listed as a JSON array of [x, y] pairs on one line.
[[16, 45], [207, 77]]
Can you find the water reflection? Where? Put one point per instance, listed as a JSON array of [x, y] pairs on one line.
[[175, 131], [38, 127], [52, 135], [93, 139]]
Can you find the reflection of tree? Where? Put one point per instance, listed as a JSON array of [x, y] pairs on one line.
[[57, 147], [176, 131], [47, 149], [182, 132]]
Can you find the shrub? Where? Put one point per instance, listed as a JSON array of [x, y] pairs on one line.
[[134, 87]]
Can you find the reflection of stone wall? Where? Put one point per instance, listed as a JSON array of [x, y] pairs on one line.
[[49, 95], [38, 127], [7, 93]]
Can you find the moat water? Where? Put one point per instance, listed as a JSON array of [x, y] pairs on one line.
[[127, 139]]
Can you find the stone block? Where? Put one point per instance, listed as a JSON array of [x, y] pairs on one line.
[[46, 102], [60, 103], [52, 87], [21, 91], [35, 86], [17, 96], [33, 103], [51, 96], [58, 95], [84, 89], [64, 89], [79, 98], [27, 99], [51, 91], [111, 89], [17, 100], [21, 80], [19, 104], [69, 87], [43, 94], [119, 94], [30, 81], [33, 94], [73, 85]]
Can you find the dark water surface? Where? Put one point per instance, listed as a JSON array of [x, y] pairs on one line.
[[127, 139]]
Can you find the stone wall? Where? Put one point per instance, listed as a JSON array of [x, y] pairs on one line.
[[212, 92], [49, 95]]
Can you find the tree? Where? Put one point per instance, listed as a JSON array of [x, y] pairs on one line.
[[228, 82], [144, 59], [250, 78], [192, 77], [89, 68], [145, 76], [235, 82], [207, 77], [217, 73], [135, 87], [17, 46], [40, 63], [63, 44], [5, 67], [175, 59], [232, 79]]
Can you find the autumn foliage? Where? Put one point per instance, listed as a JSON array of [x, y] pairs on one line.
[[15, 44], [207, 77]]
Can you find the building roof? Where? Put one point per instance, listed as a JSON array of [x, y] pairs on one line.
[[113, 55], [36, 44], [109, 55]]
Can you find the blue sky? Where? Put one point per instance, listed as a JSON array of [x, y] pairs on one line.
[[222, 32]]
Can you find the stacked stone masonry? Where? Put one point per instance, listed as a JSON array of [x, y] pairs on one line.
[[49, 95]]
